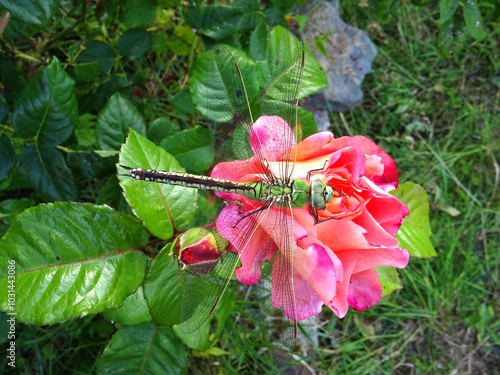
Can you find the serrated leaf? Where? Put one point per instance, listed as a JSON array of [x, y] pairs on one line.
[[7, 156], [218, 98], [47, 109], [71, 260], [143, 349], [36, 12], [389, 279], [98, 52], [134, 310], [415, 230], [114, 121], [162, 207], [134, 43], [473, 20], [163, 288], [192, 148], [46, 171]]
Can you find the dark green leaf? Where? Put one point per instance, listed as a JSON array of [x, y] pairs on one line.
[[163, 288], [162, 207], [198, 340], [47, 109], [4, 109], [415, 230], [451, 36], [46, 172], [134, 310], [71, 260], [138, 14], [86, 72], [192, 148], [134, 43], [36, 12], [11, 207], [161, 128], [422, 2], [258, 42], [473, 20], [7, 156], [199, 90], [100, 52], [182, 101], [143, 349], [447, 10], [114, 121]]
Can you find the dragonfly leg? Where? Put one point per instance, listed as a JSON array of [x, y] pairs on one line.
[[317, 170]]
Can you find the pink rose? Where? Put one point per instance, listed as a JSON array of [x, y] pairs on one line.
[[333, 260]]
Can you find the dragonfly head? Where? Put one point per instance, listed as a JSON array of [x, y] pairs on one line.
[[321, 194]]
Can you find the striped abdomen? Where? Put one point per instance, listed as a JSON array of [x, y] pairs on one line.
[[193, 181]]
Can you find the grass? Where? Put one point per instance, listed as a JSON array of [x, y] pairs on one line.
[[438, 119]]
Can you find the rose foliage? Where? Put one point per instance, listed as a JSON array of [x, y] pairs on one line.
[[333, 260]]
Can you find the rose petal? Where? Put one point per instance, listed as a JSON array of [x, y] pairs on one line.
[[271, 137], [364, 290]]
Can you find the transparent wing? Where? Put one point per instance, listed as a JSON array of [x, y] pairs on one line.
[[248, 225]]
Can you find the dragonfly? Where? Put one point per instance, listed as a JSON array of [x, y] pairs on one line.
[[258, 209]]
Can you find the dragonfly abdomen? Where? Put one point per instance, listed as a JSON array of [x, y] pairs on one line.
[[191, 181]]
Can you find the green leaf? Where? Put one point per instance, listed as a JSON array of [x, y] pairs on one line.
[[134, 310], [447, 10], [114, 121], [11, 207], [134, 43], [182, 101], [473, 20], [181, 40], [4, 109], [307, 122], [46, 171], [198, 340], [415, 230], [161, 128], [218, 98], [258, 42], [163, 288], [47, 109], [71, 260], [86, 72], [97, 52], [143, 349], [85, 131], [389, 279], [162, 207], [192, 148], [313, 77], [36, 12], [7, 156], [451, 36], [138, 14]]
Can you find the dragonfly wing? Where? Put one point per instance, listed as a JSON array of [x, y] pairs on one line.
[[201, 293]]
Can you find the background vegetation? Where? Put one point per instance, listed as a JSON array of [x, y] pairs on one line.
[[434, 112]]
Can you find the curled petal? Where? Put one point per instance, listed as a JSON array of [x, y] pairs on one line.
[[364, 290], [270, 136]]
